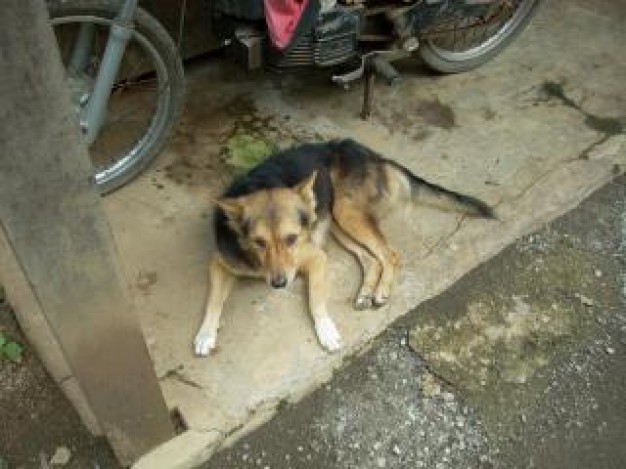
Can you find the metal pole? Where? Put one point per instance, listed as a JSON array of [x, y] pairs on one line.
[[94, 114]]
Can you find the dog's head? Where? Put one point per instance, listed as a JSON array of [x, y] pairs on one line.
[[274, 226]]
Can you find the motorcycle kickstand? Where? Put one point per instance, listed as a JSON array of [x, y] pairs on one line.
[[372, 63], [370, 76], [376, 65]]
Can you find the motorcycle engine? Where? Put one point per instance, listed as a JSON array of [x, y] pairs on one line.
[[332, 40]]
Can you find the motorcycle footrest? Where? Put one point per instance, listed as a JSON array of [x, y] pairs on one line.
[[346, 78], [385, 70]]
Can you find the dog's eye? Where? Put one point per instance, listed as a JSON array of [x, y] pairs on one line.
[[260, 243], [291, 239], [304, 218]]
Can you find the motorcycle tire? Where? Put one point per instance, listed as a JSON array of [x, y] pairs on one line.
[[446, 59], [152, 37]]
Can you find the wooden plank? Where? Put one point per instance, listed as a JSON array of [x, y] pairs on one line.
[[58, 232]]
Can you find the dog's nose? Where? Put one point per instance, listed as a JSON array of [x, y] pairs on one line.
[[279, 281]]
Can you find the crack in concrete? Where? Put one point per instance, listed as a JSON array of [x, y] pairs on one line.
[[535, 182], [519, 195], [582, 156], [177, 375], [445, 239]]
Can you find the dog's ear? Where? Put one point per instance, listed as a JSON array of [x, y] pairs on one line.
[[232, 207], [305, 190]]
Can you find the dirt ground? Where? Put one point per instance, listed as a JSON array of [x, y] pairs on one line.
[[392, 408], [36, 418]]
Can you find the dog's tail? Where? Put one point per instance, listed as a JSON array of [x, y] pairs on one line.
[[427, 193]]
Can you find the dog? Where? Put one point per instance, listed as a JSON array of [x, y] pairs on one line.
[[272, 223]]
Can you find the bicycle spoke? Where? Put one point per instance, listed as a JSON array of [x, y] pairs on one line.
[[136, 85], [458, 34], [135, 108]]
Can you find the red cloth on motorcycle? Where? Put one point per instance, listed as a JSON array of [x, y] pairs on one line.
[[287, 20]]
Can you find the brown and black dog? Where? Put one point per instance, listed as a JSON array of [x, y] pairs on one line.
[[272, 223]]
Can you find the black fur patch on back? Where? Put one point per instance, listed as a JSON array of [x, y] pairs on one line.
[[287, 169], [352, 160], [356, 163]]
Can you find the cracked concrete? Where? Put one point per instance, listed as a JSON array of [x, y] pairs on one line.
[[511, 133]]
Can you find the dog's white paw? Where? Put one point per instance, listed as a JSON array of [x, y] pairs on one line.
[[381, 299], [327, 333], [204, 343], [381, 296]]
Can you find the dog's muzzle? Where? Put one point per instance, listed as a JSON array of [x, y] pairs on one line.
[[279, 281]]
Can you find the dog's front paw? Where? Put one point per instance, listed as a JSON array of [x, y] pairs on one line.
[[204, 343], [327, 333]]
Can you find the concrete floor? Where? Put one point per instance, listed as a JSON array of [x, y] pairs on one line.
[[533, 133], [401, 405]]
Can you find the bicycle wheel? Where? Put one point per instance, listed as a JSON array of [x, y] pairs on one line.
[[147, 97], [456, 42]]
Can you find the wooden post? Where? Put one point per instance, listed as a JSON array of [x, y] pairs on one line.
[[57, 233]]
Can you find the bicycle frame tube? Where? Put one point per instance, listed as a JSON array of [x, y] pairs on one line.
[[93, 115], [82, 48]]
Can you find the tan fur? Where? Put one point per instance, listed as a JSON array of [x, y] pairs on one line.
[[268, 224], [283, 246]]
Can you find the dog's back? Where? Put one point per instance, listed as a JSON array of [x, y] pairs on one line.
[[271, 223], [286, 169], [344, 169]]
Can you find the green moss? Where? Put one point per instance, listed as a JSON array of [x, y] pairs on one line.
[[245, 150]]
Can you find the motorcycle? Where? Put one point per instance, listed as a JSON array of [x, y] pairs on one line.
[[126, 77]]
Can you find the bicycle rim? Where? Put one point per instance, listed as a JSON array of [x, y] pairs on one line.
[[111, 156], [464, 38]]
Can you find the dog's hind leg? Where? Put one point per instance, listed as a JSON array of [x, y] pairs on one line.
[[363, 228], [221, 281], [369, 264], [317, 276]]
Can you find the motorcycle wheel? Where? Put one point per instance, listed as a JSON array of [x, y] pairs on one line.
[[148, 94], [457, 45]]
